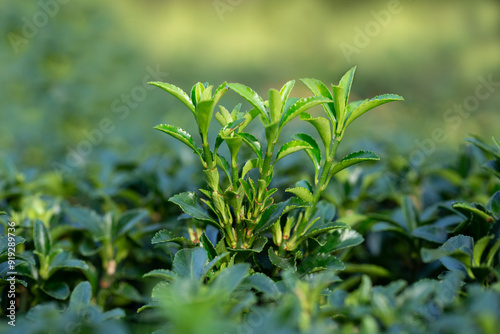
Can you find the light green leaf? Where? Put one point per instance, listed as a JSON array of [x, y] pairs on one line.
[[204, 113], [291, 147], [370, 104], [251, 96], [196, 92], [314, 152], [179, 134], [302, 193], [340, 105], [275, 105], [301, 106], [177, 92], [285, 92], [346, 83], [318, 88], [249, 165], [352, 159], [223, 117], [220, 91], [190, 204], [322, 126]]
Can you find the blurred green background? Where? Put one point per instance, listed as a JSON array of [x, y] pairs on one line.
[[67, 65]]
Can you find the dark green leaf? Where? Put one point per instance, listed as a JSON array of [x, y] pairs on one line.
[[341, 239], [458, 245], [431, 233], [191, 205], [127, 221], [262, 283], [208, 246], [41, 237], [228, 279], [320, 261], [252, 142], [56, 289], [168, 236], [167, 275], [80, 297], [275, 211], [280, 262], [190, 262]]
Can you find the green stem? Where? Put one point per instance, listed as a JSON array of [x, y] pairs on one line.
[[324, 179]]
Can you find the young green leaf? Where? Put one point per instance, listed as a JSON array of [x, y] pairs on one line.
[[370, 104], [275, 105], [285, 91], [322, 126], [318, 88], [340, 106], [291, 147], [177, 92], [191, 205], [301, 106], [302, 193], [251, 96], [314, 152], [196, 92], [204, 113], [352, 159], [346, 83], [179, 134]]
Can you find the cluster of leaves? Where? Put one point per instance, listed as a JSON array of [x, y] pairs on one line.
[[242, 207], [109, 252]]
